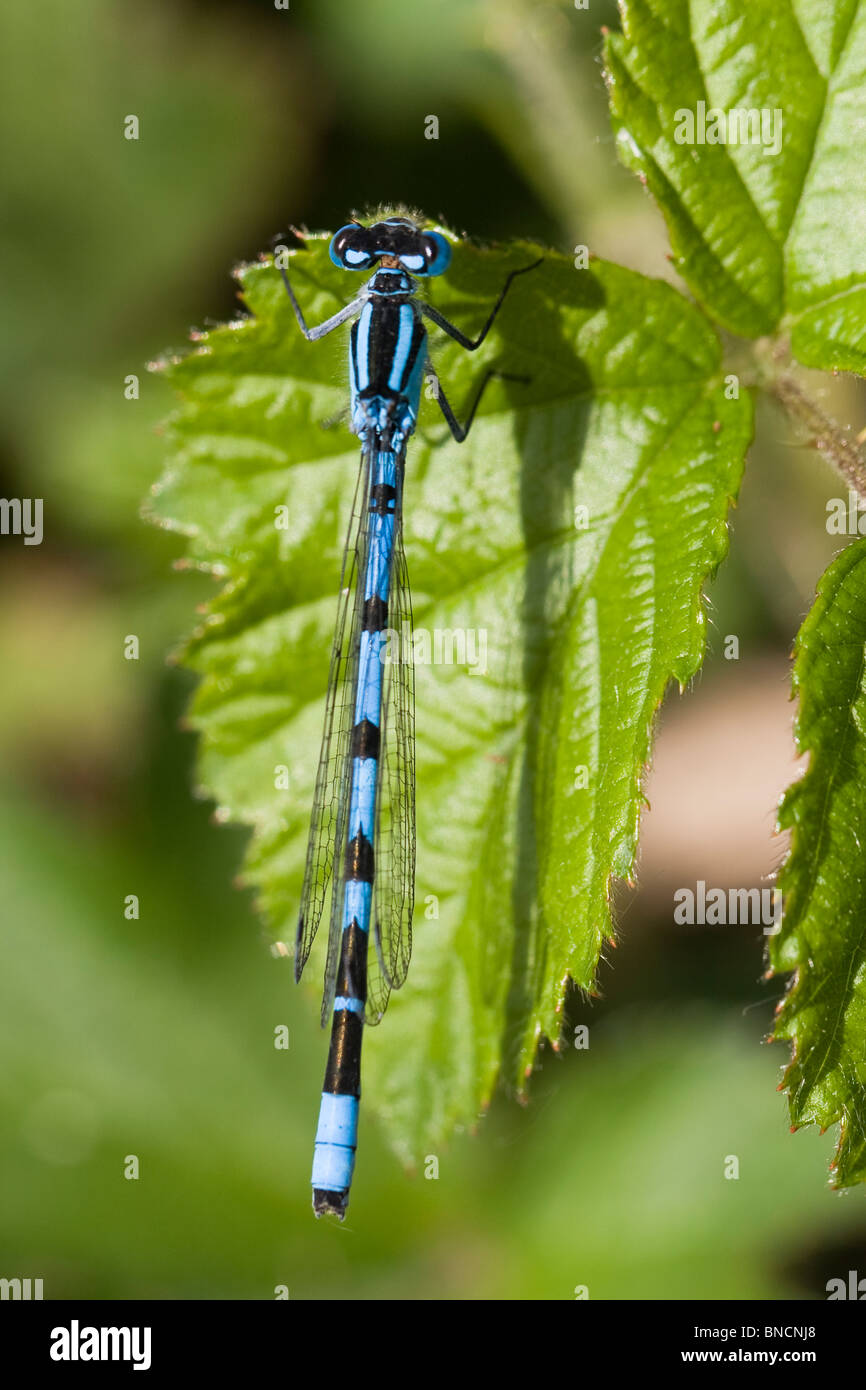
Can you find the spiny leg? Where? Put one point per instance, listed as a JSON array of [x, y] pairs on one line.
[[461, 431], [453, 332], [338, 418], [342, 315]]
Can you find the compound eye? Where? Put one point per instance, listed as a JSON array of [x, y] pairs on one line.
[[350, 248], [437, 253]]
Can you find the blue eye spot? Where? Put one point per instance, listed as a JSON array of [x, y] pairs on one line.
[[342, 251], [437, 252]]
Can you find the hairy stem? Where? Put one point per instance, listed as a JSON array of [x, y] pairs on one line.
[[829, 438]]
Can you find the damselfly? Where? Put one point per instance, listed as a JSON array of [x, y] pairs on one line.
[[362, 828]]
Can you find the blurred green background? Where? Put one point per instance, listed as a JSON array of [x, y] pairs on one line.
[[154, 1037]]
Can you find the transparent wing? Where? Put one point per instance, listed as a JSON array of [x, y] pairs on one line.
[[330, 798], [394, 883]]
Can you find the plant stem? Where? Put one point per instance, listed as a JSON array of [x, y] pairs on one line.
[[829, 438]]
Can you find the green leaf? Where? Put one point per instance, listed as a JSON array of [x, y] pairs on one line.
[[823, 881], [569, 539], [766, 240]]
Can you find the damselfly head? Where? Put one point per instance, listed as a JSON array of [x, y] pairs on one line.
[[397, 243]]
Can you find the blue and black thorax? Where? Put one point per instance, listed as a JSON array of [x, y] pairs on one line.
[[388, 349], [387, 356]]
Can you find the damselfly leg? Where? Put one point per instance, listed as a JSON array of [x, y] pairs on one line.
[[460, 432]]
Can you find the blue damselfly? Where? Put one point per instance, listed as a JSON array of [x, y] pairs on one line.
[[362, 828]]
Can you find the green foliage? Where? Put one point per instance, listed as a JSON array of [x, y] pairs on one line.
[[769, 236], [573, 532], [823, 882], [765, 241]]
